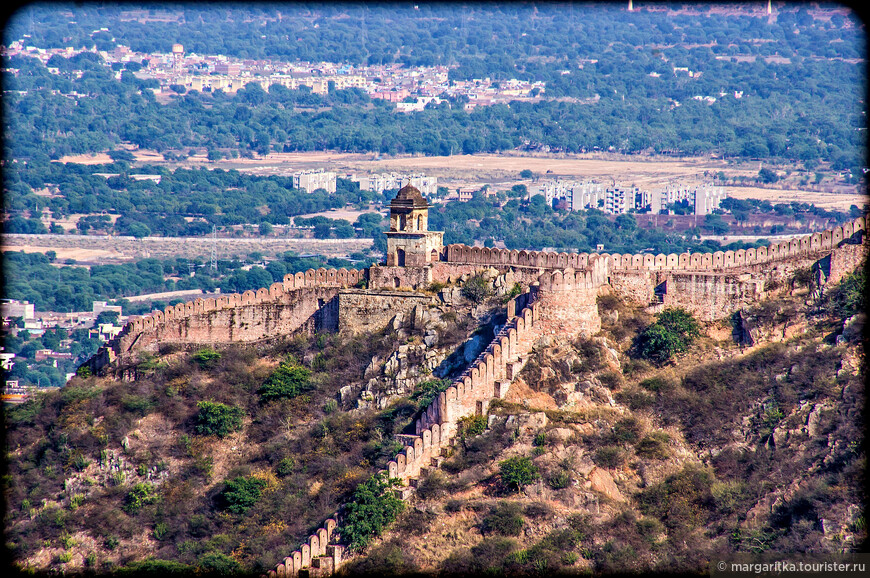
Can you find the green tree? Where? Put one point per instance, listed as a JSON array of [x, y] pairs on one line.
[[289, 380], [373, 507], [505, 519], [847, 298], [766, 175], [671, 333], [518, 472], [218, 419], [139, 495], [476, 289], [206, 357], [240, 494]]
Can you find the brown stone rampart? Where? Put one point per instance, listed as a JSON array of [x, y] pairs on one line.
[[846, 259], [471, 392], [711, 296], [362, 310], [568, 299], [559, 300], [252, 316], [806, 246], [316, 552]]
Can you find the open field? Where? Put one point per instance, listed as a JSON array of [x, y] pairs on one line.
[[350, 215], [502, 171], [829, 201], [63, 253], [103, 250]]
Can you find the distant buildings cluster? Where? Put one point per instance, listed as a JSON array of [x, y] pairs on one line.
[[410, 88], [380, 182], [17, 313], [617, 200], [312, 180]]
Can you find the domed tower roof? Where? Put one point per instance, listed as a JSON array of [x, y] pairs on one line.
[[409, 197]]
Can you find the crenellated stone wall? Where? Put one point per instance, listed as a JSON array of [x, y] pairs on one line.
[[490, 375], [561, 299], [710, 285], [299, 302], [804, 247]]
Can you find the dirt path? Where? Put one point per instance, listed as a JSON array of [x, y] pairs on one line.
[[101, 249]]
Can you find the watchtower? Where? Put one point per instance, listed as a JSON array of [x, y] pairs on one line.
[[410, 243]]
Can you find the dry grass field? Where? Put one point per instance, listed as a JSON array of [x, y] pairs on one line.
[[88, 249], [502, 171]]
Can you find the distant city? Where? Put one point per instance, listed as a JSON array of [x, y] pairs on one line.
[[411, 89]]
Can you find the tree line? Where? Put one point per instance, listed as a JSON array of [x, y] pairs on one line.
[[50, 286], [186, 202]]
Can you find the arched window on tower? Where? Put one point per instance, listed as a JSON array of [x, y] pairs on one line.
[[420, 223]]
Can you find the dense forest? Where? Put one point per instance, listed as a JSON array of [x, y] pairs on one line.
[[800, 79], [207, 197]]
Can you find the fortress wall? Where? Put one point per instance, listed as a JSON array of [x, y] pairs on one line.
[[251, 321], [803, 247], [715, 294], [253, 315], [469, 394], [636, 287], [446, 272], [570, 312], [711, 296], [382, 277], [849, 257], [360, 310], [316, 552]]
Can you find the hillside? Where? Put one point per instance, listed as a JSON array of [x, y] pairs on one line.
[[730, 449], [751, 440]]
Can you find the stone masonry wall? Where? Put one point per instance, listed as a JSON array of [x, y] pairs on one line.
[[808, 246], [560, 298], [711, 296], [849, 257], [364, 310], [252, 316]]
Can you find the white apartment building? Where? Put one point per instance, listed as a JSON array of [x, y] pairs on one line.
[[617, 200], [310, 181], [13, 308], [703, 199], [380, 182]]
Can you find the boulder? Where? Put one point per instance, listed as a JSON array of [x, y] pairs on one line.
[[601, 481]]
